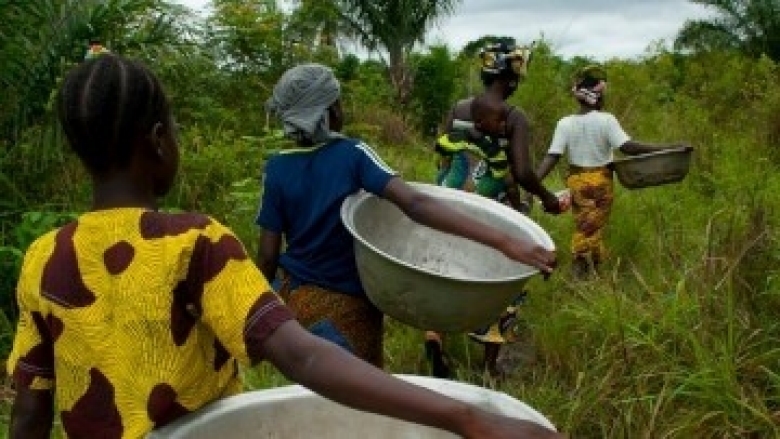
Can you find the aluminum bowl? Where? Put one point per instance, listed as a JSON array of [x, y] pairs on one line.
[[432, 280], [653, 169], [295, 412]]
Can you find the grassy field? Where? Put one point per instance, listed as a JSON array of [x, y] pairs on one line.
[[678, 338]]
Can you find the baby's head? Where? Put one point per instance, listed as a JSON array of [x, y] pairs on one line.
[[117, 119], [489, 115]]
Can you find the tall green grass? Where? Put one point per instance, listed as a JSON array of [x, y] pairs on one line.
[[679, 335], [676, 338]]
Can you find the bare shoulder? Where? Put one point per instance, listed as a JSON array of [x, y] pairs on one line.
[[517, 118], [516, 113]]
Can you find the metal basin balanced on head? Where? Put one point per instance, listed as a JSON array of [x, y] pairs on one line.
[[432, 280], [293, 412]]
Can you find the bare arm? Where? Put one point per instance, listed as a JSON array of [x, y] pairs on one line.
[[32, 414], [520, 161], [433, 213], [548, 164], [513, 195], [270, 246], [335, 374]]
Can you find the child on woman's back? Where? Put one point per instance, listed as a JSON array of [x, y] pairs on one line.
[[483, 141]]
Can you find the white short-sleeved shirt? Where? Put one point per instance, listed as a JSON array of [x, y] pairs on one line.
[[588, 138]]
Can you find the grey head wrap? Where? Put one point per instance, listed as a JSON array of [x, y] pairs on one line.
[[301, 99]]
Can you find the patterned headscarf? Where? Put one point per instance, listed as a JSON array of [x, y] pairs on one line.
[[301, 100], [590, 84], [502, 58]]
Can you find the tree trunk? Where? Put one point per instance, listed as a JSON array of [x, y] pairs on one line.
[[399, 75]]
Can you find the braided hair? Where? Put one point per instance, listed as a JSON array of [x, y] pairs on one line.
[[106, 105]]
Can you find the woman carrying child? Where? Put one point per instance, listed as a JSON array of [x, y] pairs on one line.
[[490, 157]]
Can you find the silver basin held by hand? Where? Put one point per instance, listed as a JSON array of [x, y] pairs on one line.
[[653, 169], [432, 280], [293, 412]]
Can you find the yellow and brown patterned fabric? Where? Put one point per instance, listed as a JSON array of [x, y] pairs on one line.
[[592, 193], [351, 322], [138, 317]]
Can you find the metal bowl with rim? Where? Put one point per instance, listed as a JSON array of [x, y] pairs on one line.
[[296, 412], [653, 169], [432, 280]]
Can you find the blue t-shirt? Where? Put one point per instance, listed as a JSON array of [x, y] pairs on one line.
[[303, 190]]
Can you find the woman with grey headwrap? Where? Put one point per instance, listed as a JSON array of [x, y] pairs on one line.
[[301, 99], [303, 190]]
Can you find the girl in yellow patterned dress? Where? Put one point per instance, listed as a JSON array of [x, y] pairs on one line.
[[132, 318]]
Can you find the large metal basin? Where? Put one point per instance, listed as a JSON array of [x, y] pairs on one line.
[[432, 280], [653, 169], [293, 412]]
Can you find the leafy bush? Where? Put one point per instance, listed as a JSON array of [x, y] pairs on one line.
[[435, 76]]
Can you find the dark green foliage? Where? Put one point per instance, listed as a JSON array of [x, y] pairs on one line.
[[347, 68], [39, 39], [435, 76], [749, 26], [394, 27]]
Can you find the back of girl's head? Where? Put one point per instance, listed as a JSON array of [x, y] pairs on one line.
[[106, 106]]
